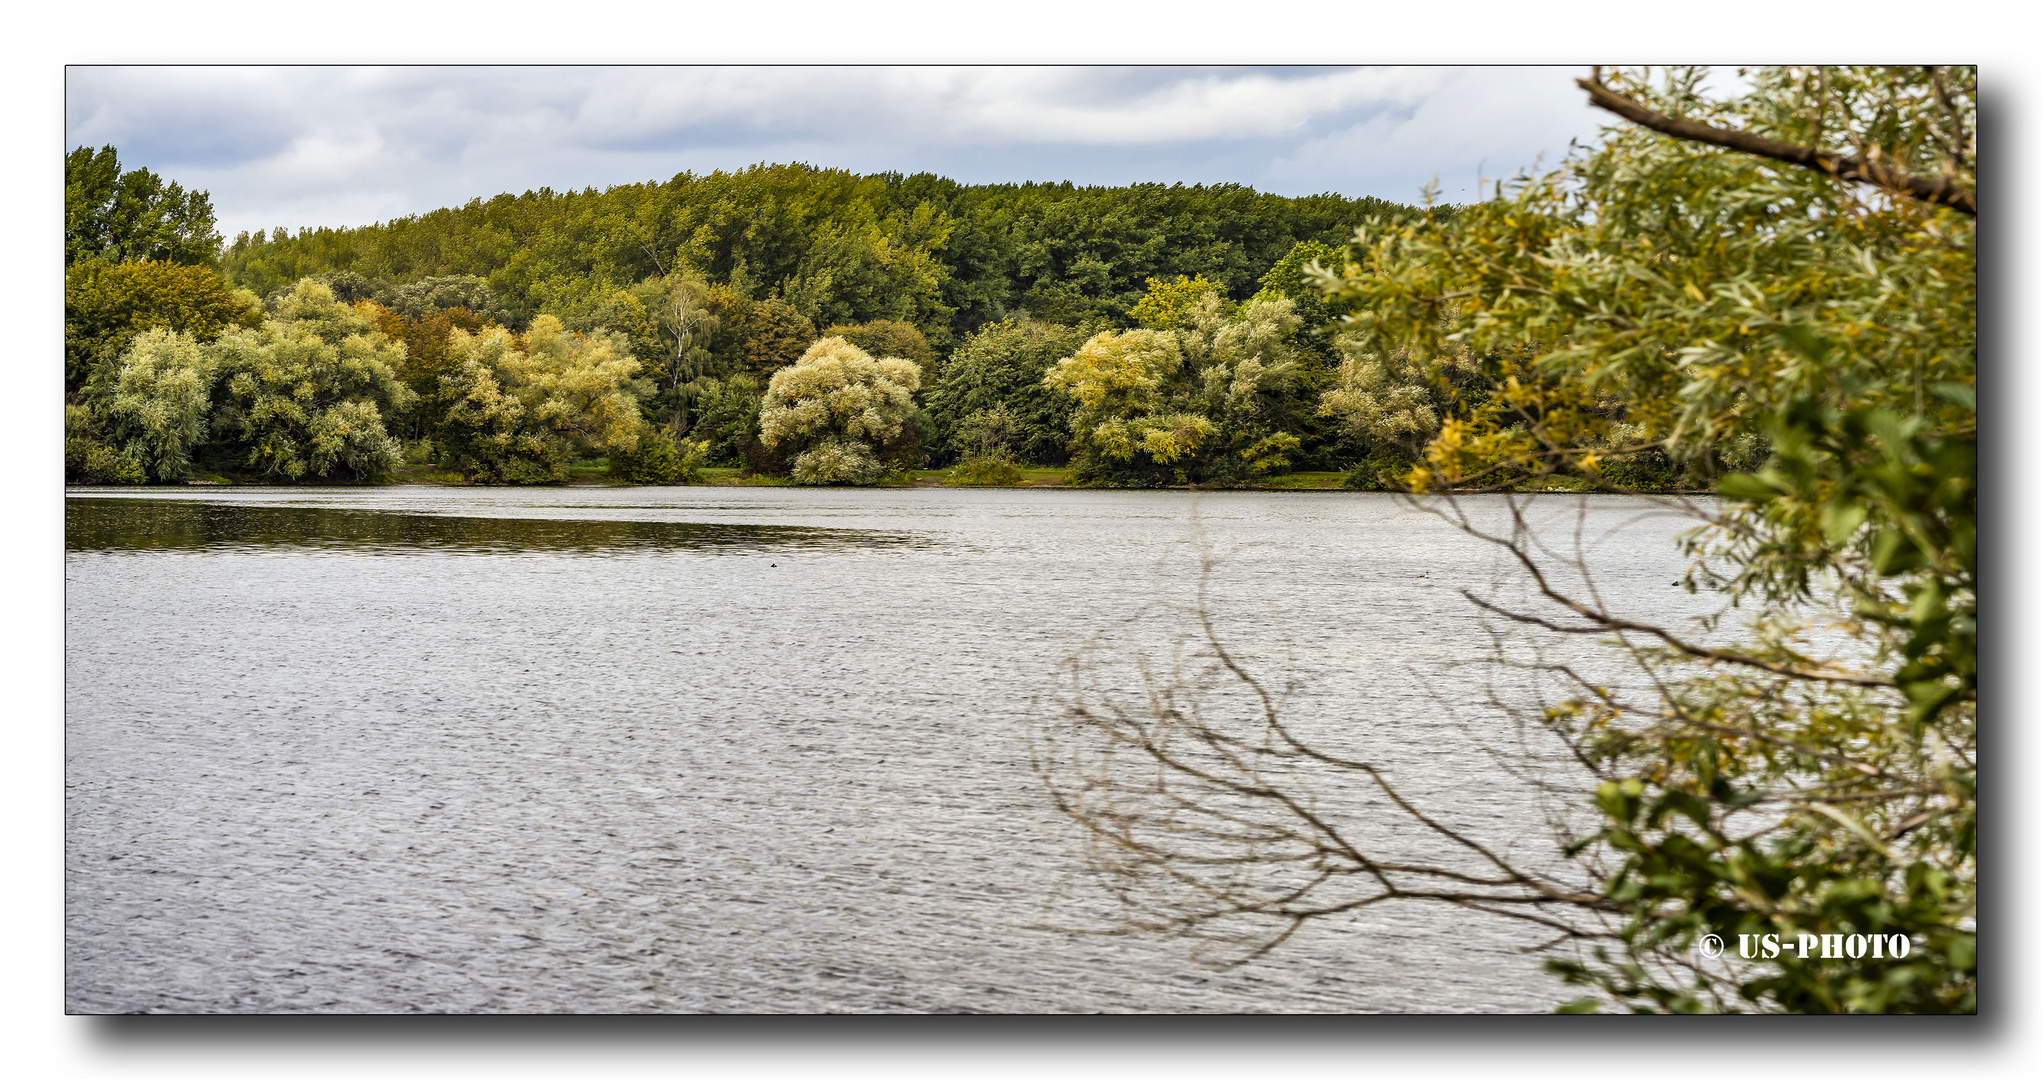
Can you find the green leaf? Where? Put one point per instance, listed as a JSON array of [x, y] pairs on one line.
[[1746, 487], [1841, 520], [1963, 952], [1804, 340], [1958, 394]]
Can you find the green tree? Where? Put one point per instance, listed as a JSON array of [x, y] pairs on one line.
[[1386, 400], [655, 459], [1798, 264], [582, 386], [305, 394], [885, 337], [755, 337], [859, 268], [427, 359], [466, 292], [1171, 305], [1389, 406], [489, 433], [107, 304], [158, 407], [944, 257], [836, 407], [1319, 316], [597, 307], [985, 438], [113, 216], [1288, 278], [729, 421], [1216, 402], [352, 288], [1001, 366], [682, 365]]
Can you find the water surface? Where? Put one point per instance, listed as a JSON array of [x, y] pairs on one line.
[[722, 749]]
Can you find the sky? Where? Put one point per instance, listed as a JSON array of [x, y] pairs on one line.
[[338, 146]]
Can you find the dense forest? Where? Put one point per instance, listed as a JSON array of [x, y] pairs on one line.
[[1148, 335], [836, 247]]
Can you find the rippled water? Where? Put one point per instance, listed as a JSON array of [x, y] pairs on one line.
[[722, 748]]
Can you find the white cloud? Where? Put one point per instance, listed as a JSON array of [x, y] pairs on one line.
[[1478, 124], [998, 108], [339, 146]]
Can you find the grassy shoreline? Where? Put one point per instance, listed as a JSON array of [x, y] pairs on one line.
[[596, 475]]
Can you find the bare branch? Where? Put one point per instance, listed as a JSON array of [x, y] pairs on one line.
[[1603, 624]]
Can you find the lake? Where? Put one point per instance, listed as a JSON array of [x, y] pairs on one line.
[[732, 749]]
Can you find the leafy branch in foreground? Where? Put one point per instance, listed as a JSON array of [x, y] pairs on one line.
[[1801, 764], [1659, 294], [1945, 190]]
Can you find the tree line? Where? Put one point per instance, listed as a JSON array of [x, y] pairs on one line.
[[1142, 336], [834, 246]]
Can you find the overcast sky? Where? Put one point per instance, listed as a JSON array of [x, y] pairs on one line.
[[349, 146]]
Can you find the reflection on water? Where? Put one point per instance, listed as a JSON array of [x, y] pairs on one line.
[[140, 524]]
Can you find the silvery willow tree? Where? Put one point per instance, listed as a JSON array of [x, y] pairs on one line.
[[305, 394], [300, 397], [835, 406], [1777, 294]]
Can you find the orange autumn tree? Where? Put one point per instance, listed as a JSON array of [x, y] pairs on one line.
[[426, 357]]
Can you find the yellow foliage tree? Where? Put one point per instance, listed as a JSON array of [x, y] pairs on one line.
[[519, 414], [837, 403], [1208, 402]]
